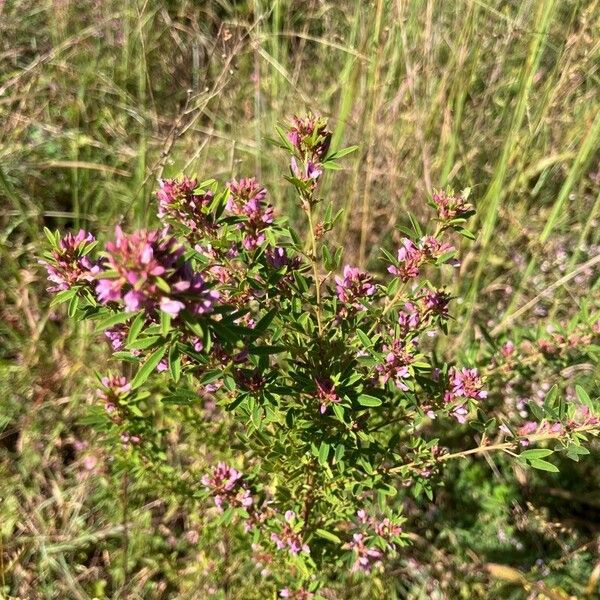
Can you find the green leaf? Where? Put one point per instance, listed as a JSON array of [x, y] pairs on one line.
[[367, 400], [338, 411], [536, 453], [415, 225], [147, 368], [73, 304], [128, 356], [175, 363], [135, 328], [342, 152], [444, 258], [211, 376], [327, 258], [364, 338], [165, 322], [550, 399], [465, 233], [328, 535], [574, 452], [266, 350], [255, 416], [51, 237], [543, 465], [581, 450], [144, 343], [111, 320], [181, 397], [162, 285], [323, 453], [134, 410], [583, 397], [536, 409], [63, 296]]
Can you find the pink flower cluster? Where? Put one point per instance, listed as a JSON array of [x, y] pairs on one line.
[[367, 556], [177, 200], [434, 304], [278, 258], [115, 389], [411, 256], [70, 264], [450, 206], [409, 319], [289, 537], [326, 393], [247, 200], [398, 357], [117, 335], [582, 418], [308, 172], [432, 249], [353, 286], [384, 528], [310, 137], [559, 343], [146, 272], [311, 140], [227, 486], [463, 384]]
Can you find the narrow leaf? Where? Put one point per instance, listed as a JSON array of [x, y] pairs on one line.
[[147, 368]]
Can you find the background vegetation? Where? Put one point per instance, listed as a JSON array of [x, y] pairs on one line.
[[99, 99]]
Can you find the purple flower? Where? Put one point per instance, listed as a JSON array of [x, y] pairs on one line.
[[309, 172], [115, 389], [450, 206], [114, 386], [365, 557], [289, 538], [177, 201], [310, 138], [116, 336], [460, 413], [435, 303], [70, 264], [353, 286], [507, 349], [409, 318], [410, 259], [226, 486], [173, 191], [326, 393], [247, 200], [398, 356], [170, 306], [127, 438], [528, 428], [278, 259], [433, 249], [464, 383], [149, 275]]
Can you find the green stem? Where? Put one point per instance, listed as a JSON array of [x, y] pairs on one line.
[[539, 437], [313, 246]]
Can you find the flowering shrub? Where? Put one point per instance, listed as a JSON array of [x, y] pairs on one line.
[[319, 388]]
